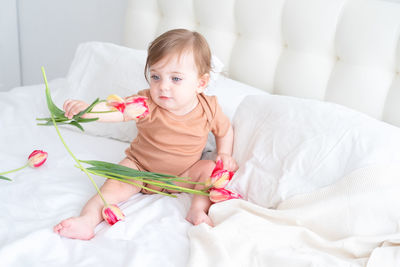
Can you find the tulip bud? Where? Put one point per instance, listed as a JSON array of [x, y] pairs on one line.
[[112, 214], [222, 194], [136, 107], [116, 102], [219, 177], [37, 158]]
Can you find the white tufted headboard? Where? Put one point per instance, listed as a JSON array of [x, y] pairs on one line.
[[343, 51]]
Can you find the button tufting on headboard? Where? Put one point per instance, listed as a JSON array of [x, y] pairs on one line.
[[342, 51]]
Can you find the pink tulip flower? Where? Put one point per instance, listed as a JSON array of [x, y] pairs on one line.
[[37, 158], [112, 214], [222, 194], [116, 102], [136, 107], [219, 176]]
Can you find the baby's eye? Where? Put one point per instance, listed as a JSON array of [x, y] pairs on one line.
[[155, 77], [176, 79]]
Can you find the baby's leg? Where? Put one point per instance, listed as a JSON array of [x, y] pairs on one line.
[[82, 227], [198, 211]]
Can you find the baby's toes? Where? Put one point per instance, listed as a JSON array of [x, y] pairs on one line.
[[57, 228]]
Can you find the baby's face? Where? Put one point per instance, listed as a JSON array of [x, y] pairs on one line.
[[175, 83]]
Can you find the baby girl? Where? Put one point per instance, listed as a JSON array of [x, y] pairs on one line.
[[172, 136]]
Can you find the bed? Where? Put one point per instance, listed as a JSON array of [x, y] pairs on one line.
[[312, 88]]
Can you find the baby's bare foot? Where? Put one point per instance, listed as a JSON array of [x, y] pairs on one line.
[[75, 227]]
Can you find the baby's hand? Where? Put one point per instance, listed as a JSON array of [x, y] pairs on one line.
[[229, 163], [73, 107]]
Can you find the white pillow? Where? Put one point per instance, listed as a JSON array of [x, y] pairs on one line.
[[286, 146], [100, 69], [229, 94]]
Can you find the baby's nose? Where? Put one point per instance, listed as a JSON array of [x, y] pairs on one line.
[[164, 85]]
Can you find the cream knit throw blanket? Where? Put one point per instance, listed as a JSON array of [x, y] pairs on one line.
[[354, 222]]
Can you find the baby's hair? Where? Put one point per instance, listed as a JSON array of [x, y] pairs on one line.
[[179, 41]]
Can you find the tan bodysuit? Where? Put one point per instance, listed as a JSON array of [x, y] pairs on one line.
[[170, 144]]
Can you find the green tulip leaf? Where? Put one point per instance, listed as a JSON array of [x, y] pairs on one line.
[[88, 109], [57, 112], [5, 178], [112, 166], [76, 124]]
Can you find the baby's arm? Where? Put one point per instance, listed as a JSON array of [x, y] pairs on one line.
[[73, 107], [225, 149]]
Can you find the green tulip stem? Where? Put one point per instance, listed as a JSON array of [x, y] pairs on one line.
[[20, 168], [69, 151]]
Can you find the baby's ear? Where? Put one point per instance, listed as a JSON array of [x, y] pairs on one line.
[[203, 82]]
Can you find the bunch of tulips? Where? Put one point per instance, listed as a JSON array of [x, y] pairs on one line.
[[133, 107]]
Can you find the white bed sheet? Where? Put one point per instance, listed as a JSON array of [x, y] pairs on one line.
[[154, 232]]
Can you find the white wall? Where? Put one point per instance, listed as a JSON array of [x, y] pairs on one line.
[[9, 50], [50, 30]]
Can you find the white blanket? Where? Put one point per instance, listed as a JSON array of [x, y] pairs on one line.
[[351, 223]]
